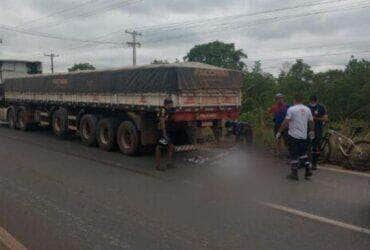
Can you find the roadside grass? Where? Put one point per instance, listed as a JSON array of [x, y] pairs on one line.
[[264, 136]]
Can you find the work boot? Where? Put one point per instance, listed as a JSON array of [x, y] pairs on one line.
[[308, 174], [293, 175], [170, 165], [314, 166], [314, 161], [159, 168]]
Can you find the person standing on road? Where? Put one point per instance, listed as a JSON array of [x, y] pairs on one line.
[[166, 134], [320, 117], [298, 120], [279, 110]]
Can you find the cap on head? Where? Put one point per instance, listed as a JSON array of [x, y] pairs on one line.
[[279, 95], [313, 98]]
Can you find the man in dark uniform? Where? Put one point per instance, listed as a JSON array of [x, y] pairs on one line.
[[166, 134], [320, 118]]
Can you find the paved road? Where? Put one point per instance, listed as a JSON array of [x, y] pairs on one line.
[[61, 195]]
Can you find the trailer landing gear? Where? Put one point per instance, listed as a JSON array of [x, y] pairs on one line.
[[60, 123], [12, 118]]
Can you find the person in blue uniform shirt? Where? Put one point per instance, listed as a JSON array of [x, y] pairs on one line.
[[320, 117]]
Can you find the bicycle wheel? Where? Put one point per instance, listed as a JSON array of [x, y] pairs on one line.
[[360, 155], [325, 149]]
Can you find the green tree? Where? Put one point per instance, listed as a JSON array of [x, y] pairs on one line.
[[81, 67], [299, 78], [164, 61], [218, 54], [159, 61], [345, 93], [357, 75], [328, 86], [258, 92]]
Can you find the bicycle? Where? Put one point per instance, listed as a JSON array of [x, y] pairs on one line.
[[355, 153]]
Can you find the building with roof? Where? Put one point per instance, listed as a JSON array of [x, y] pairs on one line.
[[18, 68]]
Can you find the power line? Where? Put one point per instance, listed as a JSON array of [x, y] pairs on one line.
[[216, 29], [233, 17], [9, 28], [52, 56], [89, 46], [310, 56], [337, 45], [199, 23], [110, 7], [133, 44], [328, 46], [105, 8], [57, 12], [98, 38], [274, 20], [51, 36]]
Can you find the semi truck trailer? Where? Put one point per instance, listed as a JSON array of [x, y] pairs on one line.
[[119, 108]]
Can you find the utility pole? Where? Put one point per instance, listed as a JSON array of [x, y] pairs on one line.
[[52, 56], [134, 44]]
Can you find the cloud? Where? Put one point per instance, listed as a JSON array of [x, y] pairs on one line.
[[171, 27]]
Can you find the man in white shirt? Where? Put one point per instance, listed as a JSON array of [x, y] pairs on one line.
[[299, 119]]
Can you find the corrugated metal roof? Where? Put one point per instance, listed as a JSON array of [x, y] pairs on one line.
[[17, 61]]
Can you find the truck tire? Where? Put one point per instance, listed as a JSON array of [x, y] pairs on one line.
[[128, 138], [107, 133], [23, 120], [60, 123], [87, 129], [12, 117]]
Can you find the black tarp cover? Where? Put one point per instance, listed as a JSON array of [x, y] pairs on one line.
[[164, 78]]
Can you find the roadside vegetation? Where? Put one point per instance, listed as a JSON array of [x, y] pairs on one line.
[[81, 67], [345, 93]]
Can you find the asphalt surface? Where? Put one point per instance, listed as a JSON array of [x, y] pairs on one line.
[[61, 195]]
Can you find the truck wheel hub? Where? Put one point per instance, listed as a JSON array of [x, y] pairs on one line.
[[104, 135], [86, 130]]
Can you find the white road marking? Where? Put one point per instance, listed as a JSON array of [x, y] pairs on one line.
[[9, 241], [343, 171], [317, 218]]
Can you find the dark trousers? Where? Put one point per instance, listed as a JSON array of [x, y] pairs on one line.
[[315, 147], [298, 153]]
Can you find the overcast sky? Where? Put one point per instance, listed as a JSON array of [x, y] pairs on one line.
[[324, 33]]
